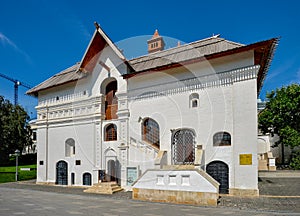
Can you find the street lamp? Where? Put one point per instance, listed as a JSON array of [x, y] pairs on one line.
[[17, 153]]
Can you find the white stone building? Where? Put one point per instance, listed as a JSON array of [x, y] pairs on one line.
[[192, 106]]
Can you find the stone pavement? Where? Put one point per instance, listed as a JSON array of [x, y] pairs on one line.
[[40, 203], [277, 195]]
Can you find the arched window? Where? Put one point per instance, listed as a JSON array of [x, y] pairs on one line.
[[72, 178], [111, 103], [183, 146], [150, 131], [110, 132], [194, 100], [222, 139], [70, 147]]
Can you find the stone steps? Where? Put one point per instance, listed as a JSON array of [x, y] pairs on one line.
[[104, 188]]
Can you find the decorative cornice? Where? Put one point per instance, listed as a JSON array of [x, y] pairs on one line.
[[201, 82]]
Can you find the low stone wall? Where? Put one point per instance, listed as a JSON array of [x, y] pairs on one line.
[[180, 185], [177, 197]]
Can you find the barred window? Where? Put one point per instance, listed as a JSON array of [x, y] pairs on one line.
[[222, 139], [150, 131], [111, 132], [183, 146]]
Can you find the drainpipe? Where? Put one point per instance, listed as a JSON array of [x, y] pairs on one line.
[[47, 126]]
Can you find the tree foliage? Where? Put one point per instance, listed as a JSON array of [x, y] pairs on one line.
[[15, 132], [282, 115]]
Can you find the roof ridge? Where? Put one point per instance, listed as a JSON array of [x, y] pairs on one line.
[[191, 45]]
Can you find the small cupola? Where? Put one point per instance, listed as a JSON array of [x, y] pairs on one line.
[[156, 43]]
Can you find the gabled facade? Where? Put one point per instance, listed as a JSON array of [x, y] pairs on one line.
[[192, 107]]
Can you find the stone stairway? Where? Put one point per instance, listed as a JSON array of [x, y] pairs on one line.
[[104, 188]]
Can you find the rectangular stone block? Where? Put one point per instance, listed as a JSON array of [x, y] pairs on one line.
[[177, 197], [243, 192]]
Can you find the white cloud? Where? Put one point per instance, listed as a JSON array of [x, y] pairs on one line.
[[6, 41]]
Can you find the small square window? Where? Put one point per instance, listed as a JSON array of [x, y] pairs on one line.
[[41, 163], [78, 162]]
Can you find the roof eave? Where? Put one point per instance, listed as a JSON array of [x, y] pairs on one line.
[[269, 46], [35, 92]]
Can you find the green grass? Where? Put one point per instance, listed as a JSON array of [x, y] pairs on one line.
[[7, 174]]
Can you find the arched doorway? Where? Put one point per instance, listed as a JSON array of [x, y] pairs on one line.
[[183, 146], [62, 173], [111, 170], [87, 179], [220, 172]]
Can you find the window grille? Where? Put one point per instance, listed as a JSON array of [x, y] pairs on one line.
[[183, 145], [150, 131], [111, 132]]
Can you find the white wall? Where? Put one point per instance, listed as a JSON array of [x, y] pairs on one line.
[[245, 130], [230, 108], [76, 115]]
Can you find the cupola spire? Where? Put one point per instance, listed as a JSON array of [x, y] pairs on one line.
[[156, 43]]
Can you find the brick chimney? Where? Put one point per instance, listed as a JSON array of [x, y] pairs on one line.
[[156, 43]]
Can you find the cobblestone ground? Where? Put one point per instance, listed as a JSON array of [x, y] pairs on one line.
[[279, 186], [280, 195], [270, 204], [276, 194]]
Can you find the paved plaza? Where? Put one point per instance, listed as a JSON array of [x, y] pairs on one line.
[[278, 196]]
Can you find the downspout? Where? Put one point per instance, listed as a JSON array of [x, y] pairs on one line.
[[47, 127]]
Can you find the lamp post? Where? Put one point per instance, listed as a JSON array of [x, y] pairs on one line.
[[17, 153]]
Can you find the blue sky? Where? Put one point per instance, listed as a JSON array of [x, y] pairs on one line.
[[41, 38]]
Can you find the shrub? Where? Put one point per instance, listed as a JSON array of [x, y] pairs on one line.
[[295, 161]]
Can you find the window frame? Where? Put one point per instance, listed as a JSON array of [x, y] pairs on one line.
[[150, 132], [222, 138], [110, 132], [194, 98], [183, 153], [70, 147]]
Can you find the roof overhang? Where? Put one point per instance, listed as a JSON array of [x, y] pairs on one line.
[[98, 42], [263, 54]]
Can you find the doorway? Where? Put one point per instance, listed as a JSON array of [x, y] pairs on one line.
[[220, 172], [111, 170], [62, 173]]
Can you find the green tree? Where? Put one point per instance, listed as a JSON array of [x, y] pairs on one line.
[[282, 115], [15, 132]]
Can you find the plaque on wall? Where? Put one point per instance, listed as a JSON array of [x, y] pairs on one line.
[[245, 159], [131, 175]]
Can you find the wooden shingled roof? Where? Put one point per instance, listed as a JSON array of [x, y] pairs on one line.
[[70, 74], [182, 53], [209, 48], [206, 49]]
